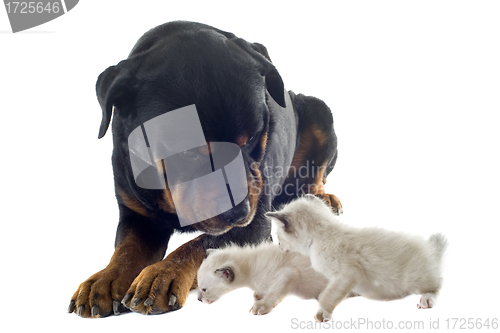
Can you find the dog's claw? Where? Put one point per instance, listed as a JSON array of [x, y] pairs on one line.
[[71, 307], [116, 307], [148, 302], [95, 311], [81, 308], [136, 301], [172, 300], [126, 299], [155, 311], [119, 308]]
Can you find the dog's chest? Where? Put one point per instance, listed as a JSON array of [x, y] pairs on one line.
[[281, 141]]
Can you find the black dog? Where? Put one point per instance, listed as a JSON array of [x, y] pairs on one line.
[[287, 142]]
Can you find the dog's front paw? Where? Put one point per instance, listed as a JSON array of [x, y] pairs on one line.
[[159, 288], [100, 295], [261, 307], [333, 201], [323, 315]]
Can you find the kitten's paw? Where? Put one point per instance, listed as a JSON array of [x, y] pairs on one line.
[[323, 316], [261, 308], [427, 301], [258, 296]]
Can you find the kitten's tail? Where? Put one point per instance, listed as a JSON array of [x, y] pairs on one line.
[[438, 244]]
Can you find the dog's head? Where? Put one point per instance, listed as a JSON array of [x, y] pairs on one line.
[[228, 79]]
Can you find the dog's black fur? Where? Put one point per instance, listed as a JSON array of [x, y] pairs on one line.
[[240, 98]]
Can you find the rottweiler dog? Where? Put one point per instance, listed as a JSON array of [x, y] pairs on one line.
[[287, 142]]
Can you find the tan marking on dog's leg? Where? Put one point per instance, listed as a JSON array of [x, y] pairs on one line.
[[131, 202]]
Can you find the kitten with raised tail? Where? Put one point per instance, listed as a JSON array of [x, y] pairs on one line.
[[371, 262], [270, 273]]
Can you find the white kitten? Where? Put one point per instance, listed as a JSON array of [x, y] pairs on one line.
[[371, 262], [269, 272]]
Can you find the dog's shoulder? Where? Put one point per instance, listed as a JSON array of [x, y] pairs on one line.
[[311, 110]]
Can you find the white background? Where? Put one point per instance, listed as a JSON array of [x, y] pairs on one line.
[[414, 90]]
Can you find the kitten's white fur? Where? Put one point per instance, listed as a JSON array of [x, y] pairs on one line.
[[269, 272], [371, 262]]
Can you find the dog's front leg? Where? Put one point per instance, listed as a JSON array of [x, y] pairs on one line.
[[164, 286], [139, 243]]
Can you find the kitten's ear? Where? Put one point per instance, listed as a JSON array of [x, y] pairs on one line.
[[274, 214], [281, 218], [226, 273], [210, 251], [278, 216], [312, 197]]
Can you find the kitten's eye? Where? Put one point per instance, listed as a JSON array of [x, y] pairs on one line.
[[204, 289]]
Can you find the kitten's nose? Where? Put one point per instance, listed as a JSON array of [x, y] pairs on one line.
[[199, 297], [237, 213]]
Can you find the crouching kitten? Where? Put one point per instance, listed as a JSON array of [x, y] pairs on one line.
[[371, 262], [269, 272]]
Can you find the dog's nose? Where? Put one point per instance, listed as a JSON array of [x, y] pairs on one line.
[[237, 213]]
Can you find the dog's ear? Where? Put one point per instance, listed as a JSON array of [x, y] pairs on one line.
[[112, 85], [274, 85], [226, 273], [274, 82], [261, 49]]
